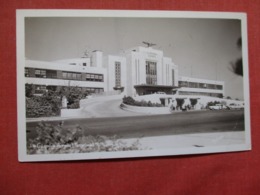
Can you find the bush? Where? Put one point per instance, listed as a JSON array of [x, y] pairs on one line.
[[53, 139], [180, 103], [49, 103], [130, 101], [73, 95], [42, 106]]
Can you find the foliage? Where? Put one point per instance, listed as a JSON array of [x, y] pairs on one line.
[[53, 139], [28, 90], [180, 103], [49, 103], [73, 95], [237, 66], [130, 101], [42, 106], [193, 101]]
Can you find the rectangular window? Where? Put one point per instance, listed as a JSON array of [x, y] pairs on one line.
[[183, 83], [220, 87], [26, 72], [51, 73], [193, 85], [151, 73], [117, 74], [173, 78], [40, 73], [64, 75], [78, 77], [71, 76], [94, 77], [202, 85]]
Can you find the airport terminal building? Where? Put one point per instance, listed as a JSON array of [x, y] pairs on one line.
[[140, 71]]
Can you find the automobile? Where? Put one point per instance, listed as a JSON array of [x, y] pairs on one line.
[[218, 107], [235, 106]]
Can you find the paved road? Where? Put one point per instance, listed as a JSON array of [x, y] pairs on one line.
[[101, 107], [157, 125]]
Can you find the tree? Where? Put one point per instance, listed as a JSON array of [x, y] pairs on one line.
[[28, 90], [193, 102], [180, 103], [237, 66]]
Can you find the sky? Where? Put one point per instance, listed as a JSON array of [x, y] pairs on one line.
[[202, 48]]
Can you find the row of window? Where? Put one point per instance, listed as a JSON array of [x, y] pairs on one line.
[[199, 85], [201, 94], [117, 74], [40, 89], [94, 77], [71, 76], [151, 73], [42, 73]]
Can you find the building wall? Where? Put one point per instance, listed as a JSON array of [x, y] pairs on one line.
[[111, 72], [136, 59], [60, 68], [133, 72], [217, 87], [97, 59]]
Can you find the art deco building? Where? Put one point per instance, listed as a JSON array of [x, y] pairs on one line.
[[140, 71]]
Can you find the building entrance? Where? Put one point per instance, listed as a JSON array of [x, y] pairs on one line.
[[151, 89]]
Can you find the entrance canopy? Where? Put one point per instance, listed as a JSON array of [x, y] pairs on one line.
[[151, 89]]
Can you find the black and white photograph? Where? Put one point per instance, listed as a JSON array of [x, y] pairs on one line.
[[99, 84]]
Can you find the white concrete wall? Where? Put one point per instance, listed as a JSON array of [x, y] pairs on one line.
[[77, 61], [63, 67], [97, 59], [176, 74], [206, 81], [66, 67], [146, 110], [60, 82], [167, 71], [111, 80]]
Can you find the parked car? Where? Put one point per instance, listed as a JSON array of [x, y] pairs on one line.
[[235, 106], [218, 107]]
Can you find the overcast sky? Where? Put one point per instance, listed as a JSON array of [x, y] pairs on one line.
[[202, 48]]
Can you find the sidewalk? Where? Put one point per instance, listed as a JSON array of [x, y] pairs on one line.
[[191, 140]]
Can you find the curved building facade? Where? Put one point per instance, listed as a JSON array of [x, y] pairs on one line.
[[140, 71]]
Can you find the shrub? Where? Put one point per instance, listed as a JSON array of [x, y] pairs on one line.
[[130, 101], [193, 102], [53, 139], [180, 103], [49, 103], [41, 106]]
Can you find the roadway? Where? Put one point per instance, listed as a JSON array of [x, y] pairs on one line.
[[156, 125], [104, 107]]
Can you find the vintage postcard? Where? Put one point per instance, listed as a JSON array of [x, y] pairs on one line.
[[98, 84]]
